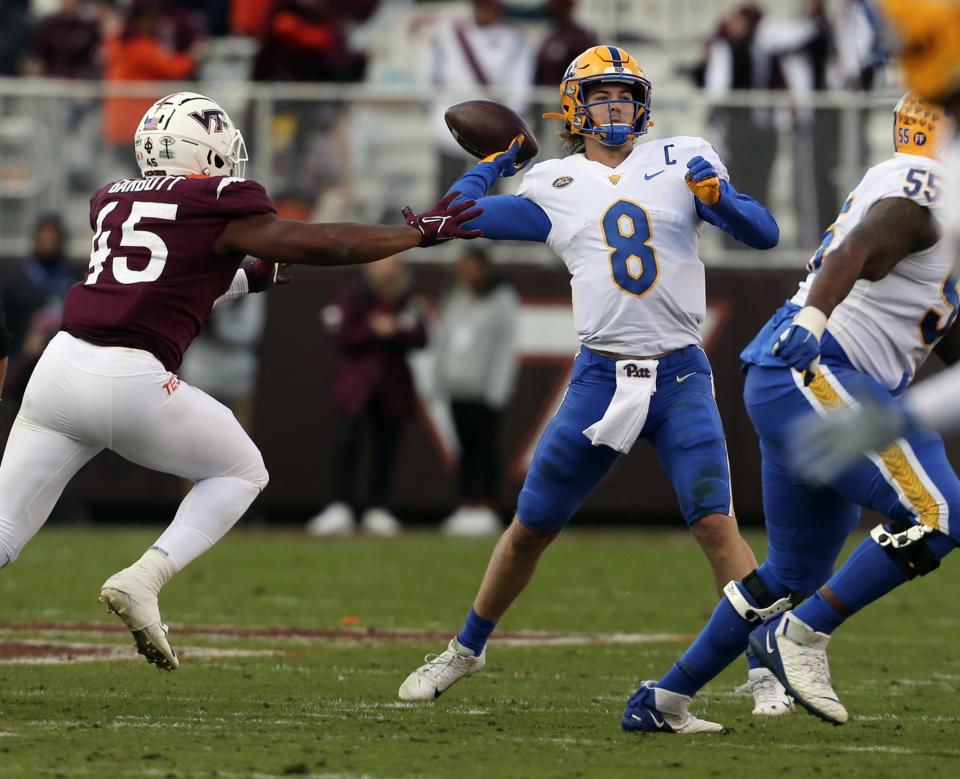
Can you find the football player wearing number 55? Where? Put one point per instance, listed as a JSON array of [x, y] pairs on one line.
[[879, 295], [626, 220], [166, 247]]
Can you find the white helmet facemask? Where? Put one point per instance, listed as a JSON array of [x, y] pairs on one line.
[[188, 134]]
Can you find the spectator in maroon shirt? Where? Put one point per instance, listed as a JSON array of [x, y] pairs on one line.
[[380, 321], [564, 42], [66, 42]]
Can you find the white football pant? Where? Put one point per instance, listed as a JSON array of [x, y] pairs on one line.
[[84, 398]]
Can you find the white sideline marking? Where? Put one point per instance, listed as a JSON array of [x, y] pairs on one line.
[[60, 653]]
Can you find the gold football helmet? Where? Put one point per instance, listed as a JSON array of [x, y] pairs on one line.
[[919, 127], [603, 64]]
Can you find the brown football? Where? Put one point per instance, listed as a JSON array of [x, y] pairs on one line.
[[484, 127]]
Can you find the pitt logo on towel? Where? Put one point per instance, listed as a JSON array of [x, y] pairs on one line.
[[635, 372]]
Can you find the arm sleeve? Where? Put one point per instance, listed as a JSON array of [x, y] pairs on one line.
[[742, 217], [505, 217]]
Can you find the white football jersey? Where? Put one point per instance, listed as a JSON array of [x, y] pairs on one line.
[[888, 327], [630, 239]]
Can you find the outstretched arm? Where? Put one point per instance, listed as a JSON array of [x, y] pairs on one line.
[[505, 217], [285, 240], [718, 203]]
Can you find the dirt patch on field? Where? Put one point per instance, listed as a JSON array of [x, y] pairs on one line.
[[26, 649], [54, 647], [526, 637]]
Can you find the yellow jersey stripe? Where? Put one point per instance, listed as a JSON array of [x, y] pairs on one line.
[[894, 458]]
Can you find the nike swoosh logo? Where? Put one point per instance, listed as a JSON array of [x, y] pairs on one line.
[[684, 378], [648, 176], [769, 648], [657, 722]]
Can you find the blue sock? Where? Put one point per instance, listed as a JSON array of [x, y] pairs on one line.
[[868, 574], [719, 643], [475, 632], [819, 614]]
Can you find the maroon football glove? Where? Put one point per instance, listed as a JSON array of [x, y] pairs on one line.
[[442, 222], [263, 274]]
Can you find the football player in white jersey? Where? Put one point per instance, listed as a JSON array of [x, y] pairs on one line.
[[871, 428], [880, 294], [626, 221], [929, 31]]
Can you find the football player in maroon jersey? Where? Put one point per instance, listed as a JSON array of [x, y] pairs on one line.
[[166, 246]]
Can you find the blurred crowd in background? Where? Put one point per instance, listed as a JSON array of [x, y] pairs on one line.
[[819, 44], [315, 149]]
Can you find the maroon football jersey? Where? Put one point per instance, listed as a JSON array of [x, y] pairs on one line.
[[153, 274]]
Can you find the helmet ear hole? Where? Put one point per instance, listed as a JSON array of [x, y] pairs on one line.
[[218, 161]]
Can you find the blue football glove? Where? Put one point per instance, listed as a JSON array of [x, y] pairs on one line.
[[703, 180], [799, 345], [506, 161]]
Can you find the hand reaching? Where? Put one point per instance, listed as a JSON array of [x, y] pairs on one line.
[[443, 221]]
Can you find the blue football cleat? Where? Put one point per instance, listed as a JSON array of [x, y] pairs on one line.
[[655, 710], [797, 655]]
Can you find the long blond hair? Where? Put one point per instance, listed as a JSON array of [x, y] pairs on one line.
[[572, 143]]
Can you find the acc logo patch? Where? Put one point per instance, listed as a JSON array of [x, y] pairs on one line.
[[562, 181]]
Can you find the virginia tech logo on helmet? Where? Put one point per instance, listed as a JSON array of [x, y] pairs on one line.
[[211, 116]]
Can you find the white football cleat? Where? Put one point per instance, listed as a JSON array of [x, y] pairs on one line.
[[770, 698], [133, 600], [335, 520], [379, 522], [652, 709], [797, 654], [440, 672], [471, 522]]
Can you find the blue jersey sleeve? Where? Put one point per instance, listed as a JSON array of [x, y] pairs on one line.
[[742, 217], [511, 217], [505, 217]]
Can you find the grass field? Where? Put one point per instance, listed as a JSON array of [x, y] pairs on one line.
[[262, 691]]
